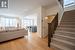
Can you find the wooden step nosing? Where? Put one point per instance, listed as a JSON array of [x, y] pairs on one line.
[[63, 41], [60, 47], [66, 28], [66, 25], [65, 36], [65, 32]]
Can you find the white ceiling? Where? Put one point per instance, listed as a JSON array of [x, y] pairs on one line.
[[17, 7]]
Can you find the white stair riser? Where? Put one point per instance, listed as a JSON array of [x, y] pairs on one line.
[[66, 34], [55, 48], [68, 29], [63, 44], [66, 39]]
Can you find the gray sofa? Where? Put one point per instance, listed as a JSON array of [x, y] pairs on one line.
[[12, 34]]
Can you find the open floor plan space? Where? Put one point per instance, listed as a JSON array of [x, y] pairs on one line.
[[37, 24]]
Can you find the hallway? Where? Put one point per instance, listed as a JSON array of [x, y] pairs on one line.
[[27, 43]]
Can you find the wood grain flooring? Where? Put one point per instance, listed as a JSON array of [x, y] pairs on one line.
[[31, 42]]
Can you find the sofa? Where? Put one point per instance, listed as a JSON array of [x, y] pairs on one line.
[[6, 35]]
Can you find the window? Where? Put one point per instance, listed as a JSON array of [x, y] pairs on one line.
[[8, 22], [27, 22], [68, 3]]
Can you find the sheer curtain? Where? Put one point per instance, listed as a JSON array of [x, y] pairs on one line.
[[8, 22]]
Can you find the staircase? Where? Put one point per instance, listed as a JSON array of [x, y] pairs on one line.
[[64, 37]]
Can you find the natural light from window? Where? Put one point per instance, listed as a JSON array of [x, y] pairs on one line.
[[8, 22], [68, 3]]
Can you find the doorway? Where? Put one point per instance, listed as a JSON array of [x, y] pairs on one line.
[[30, 23]]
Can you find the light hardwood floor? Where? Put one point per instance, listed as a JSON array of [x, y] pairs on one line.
[[31, 42]]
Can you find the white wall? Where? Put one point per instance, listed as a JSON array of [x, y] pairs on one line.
[[52, 10], [39, 22], [43, 22]]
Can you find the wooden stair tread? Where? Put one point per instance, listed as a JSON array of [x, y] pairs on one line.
[[63, 41]]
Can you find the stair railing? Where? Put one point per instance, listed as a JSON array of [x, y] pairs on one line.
[[51, 28], [61, 3]]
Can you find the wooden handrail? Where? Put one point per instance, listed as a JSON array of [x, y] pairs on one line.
[[51, 28]]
